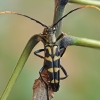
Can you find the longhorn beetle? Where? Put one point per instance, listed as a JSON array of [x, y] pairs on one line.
[[54, 49]]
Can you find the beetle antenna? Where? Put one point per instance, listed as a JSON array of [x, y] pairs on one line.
[[10, 12], [86, 6]]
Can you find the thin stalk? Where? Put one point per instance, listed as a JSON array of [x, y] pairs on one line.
[[58, 13], [86, 2], [26, 52], [85, 42]]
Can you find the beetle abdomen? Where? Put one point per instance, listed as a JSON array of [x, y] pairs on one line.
[[52, 60]]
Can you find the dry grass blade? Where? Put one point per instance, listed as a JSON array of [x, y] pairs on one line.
[[39, 88]]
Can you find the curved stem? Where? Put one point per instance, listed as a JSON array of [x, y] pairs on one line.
[[26, 52], [85, 42], [58, 13], [86, 2]]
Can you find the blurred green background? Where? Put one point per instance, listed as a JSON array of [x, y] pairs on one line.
[[82, 64]]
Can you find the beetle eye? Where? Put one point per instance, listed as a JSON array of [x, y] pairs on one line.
[[54, 29]]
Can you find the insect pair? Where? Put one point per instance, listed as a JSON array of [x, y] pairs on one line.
[[54, 48]]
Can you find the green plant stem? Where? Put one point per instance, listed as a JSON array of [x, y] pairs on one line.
[[58, 13], [85, 42], [86, 2], [30, 45]]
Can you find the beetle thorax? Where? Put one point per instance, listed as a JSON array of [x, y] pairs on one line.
[[50, 35], [51, 38]]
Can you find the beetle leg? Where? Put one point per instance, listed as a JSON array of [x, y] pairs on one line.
[[62, 48], [38, 51], [64, 71], [41, 70], [60, 36], [63, 43], [62, 51]]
